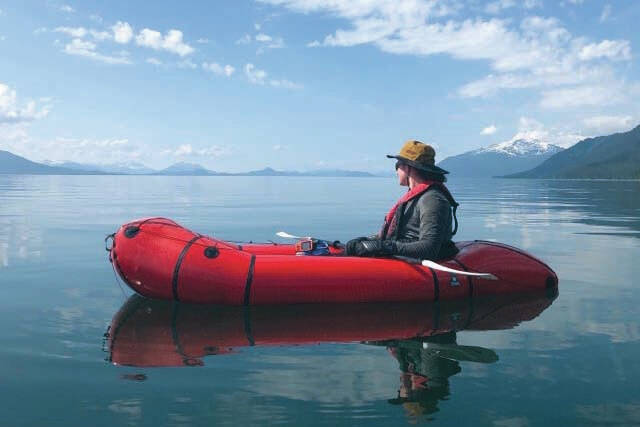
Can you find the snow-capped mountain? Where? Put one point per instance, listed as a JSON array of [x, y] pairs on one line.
[[521, 147], [515, 155]]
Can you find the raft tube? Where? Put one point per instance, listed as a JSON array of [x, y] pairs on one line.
[[148, 332], [160, 259]]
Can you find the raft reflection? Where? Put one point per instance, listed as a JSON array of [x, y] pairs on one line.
[[148, 333], [422, 337]]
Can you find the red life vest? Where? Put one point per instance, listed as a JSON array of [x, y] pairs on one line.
[[390, 220]]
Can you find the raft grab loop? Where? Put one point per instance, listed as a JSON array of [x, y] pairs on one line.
[[109, 242]]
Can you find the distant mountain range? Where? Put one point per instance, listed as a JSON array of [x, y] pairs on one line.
[[131, 168], [504, 158], [614, 156], [13, 164]]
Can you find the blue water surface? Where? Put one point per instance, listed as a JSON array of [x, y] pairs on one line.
[[573, 363]]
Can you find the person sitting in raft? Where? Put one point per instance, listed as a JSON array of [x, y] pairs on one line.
[[419, 225]]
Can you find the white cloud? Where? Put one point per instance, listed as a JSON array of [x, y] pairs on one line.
[[153, 61], [576, 1], [2, 38], [88, 49], [254, 75], [269, 42], [67, 9], [218, 69], [529, 128], [278, 147], [615, 50], [536, 53], [171, 42], [263, 37], [100, 35], [246, 39], [90, 150], [187, 150], [122, 32], [532, 129], [259, 77], [285, 84], [182, 150], [96, 18], [40, 30], [498, 6], [606, 12], [78, 32], [603, 125], [11, 112], [489, 130], [530, 4], [202, 40], [579, 96], [187, 64], [101, 151]]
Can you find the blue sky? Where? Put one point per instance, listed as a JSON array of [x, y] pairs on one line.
[[308, 84]]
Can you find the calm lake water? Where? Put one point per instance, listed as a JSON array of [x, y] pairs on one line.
[[573, 362]]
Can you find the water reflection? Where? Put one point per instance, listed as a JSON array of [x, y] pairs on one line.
[[421, 337]]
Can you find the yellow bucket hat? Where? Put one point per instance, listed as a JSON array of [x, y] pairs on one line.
[[420, 156]]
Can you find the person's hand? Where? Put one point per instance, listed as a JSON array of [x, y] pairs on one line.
[[350, 247], [366, 247]]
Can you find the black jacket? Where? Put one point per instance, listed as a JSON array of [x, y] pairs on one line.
[[424, 226]]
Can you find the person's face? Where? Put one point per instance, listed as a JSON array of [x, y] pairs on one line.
[[403, 173]]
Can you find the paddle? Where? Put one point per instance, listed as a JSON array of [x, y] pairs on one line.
[[286, 235], [426, 262]]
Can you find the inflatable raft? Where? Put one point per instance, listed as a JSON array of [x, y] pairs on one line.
[[160, 259], [148, 332]]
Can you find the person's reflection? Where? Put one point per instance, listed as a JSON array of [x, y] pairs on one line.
[[426, 365]]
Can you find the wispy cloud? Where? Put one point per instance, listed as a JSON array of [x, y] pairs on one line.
[[187, 150], [615, 50], [285, 84], [531, 129], [67, 9], [170, 42], [496, 7], [245, 39], [14, 112], [489, 130], [77, 32], [270, 42], [536, 53], [606, 12], [602, 125], [122, 32], [87, 49], [260, 77], [255, 75], [215, 68]]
